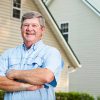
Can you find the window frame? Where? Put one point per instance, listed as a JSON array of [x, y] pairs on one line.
[[64, 28], [16, 8]]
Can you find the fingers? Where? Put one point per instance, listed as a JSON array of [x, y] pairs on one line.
[[29, 87], [34, 87]]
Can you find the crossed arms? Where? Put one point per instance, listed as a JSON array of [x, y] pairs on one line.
[[34, 79]]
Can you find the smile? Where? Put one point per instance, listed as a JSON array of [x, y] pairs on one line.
[[30, 33]]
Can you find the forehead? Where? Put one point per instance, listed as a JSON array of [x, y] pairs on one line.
[[32, 20]]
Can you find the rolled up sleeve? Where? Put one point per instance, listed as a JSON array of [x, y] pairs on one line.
[[54, 63]]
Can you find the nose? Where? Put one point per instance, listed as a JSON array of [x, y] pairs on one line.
[[29, 28]]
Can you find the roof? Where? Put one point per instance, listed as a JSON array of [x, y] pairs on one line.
[[69, 52]]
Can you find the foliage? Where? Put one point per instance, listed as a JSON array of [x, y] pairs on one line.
[[98, 98], [1, 95], [73, 96]]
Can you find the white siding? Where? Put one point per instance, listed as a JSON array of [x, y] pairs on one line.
[[84, 37]]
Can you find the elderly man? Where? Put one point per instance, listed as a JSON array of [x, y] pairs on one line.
[[31, 70]]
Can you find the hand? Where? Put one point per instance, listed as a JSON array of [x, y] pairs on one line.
[[34, 87], [28, 87], [11, 74]]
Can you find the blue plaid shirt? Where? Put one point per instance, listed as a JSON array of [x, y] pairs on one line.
[[39, 55]]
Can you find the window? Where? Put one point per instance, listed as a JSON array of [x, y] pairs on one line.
[[64, 30], [16, 9], [64, 27], [17, 3]]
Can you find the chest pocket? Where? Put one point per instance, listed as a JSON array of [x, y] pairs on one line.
[[35, 63], [14, 63]]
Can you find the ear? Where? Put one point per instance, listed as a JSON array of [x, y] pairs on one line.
[[43, 30]]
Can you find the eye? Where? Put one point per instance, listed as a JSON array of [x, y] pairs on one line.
[[35, 25], [25, 25]]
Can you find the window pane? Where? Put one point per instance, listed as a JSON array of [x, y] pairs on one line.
[[64, 30], [64, 27], [17, 3], [16, 13]]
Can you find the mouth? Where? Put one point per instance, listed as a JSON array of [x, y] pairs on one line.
[[30, 33]]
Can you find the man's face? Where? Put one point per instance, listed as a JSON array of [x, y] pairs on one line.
[[31, 30]]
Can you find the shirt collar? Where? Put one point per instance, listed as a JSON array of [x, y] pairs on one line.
[[34, 46]]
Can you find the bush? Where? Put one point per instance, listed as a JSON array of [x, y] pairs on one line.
[[1, 95], [98, 98], [73, 96]]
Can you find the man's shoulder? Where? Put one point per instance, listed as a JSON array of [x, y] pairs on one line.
[[51, 49], [11, 50]]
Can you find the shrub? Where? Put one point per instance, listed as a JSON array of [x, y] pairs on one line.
[[1, 95], [73, 96], [98, 98]]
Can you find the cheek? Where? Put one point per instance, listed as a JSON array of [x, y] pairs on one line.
[[23, 29], [39, 35]]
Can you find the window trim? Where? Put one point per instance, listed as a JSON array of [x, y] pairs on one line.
[[18, 19], [64, 30]]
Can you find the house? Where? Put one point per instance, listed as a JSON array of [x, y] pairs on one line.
[[10, 14], [83, 18]]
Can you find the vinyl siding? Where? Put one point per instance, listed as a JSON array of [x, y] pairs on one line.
[[10, 34], [84, 38]]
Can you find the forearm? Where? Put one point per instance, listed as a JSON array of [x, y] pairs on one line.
[[11, 85], [36, 76], [29, 77]]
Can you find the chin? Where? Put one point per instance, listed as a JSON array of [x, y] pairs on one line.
[[30, 40]]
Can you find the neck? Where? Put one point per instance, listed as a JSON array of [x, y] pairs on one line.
[[28, 44]]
